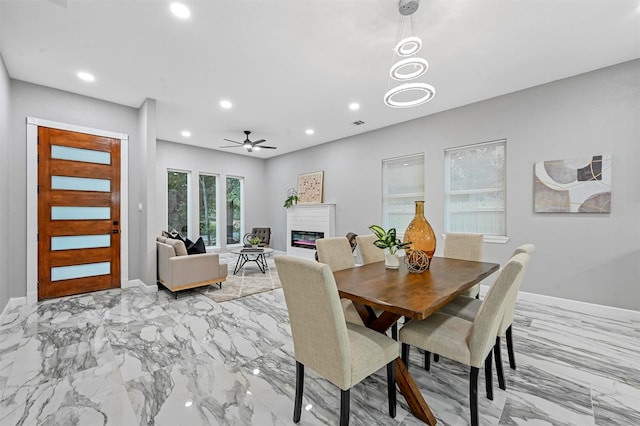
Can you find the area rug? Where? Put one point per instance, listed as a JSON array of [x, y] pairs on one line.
[[250, 280]]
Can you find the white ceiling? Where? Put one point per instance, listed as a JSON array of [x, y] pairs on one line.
[[292, 65]]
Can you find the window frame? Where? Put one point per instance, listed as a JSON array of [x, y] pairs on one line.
[[413, 196], [217, 207], [488, 237], [188, 201], [242, 210]]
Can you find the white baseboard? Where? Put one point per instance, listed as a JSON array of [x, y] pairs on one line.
[[611, 312], [12, 303], [139, 283]]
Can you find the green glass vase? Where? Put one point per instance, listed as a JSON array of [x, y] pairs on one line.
[[420, 234]]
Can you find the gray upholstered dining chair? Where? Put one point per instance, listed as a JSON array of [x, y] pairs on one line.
[[464, 246], [368, 252], [469, 342], [323, 341], [336, 252], [467, 308]]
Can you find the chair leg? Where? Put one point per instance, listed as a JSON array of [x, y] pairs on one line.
[[391, 388], [394, 331], [473, 395], [487, 374], [498, 356], [512, 357], [405, 354], [297, 408], [427, 360], [345, 401]]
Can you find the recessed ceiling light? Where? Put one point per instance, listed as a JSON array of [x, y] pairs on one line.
[[86, 76], [354, 106], [180, 10], [186, 133], [309, 131], [225, 104]]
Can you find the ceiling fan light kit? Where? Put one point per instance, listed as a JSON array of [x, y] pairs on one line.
[[409, 67], [250, 146]]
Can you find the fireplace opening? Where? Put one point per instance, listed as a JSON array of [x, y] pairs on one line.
[[305, 239]]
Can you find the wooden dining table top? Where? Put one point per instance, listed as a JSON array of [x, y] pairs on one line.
[[413, 295]]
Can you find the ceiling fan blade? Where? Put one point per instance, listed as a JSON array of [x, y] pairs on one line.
[[260, 141], [268, 147], [232, 146], [229, 140]]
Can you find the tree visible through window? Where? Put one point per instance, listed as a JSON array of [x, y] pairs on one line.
[[208, 209], [178, 201], [235, 227], [475, 189]]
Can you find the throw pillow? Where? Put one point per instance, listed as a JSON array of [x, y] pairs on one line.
[[178, 246], [196, 248]]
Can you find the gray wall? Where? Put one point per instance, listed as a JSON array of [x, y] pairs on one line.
[[5, 201], [30, 100], [196, 160], [591, 258]]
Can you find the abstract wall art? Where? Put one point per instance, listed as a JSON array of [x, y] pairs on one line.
[[573, 186], [310, 187]]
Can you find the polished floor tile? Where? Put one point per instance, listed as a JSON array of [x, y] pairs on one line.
[[126, 357]]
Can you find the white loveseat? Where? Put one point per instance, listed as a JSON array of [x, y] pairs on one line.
[[178, 270]]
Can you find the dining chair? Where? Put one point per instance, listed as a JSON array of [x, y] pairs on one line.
[[341, 352], [368, 252], [469, 342], [336, 252], [467, 308], [458, 245]]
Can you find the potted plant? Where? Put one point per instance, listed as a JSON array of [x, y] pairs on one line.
[[292, 198], [388, 241], [254, 241]]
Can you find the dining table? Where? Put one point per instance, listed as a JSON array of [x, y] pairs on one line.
[[400, 293]]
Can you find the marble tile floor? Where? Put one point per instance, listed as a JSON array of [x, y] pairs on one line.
[[125, 357]]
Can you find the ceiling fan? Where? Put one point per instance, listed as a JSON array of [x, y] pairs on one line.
[[249, 145]]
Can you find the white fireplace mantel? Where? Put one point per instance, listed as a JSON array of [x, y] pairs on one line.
[[313, 218]]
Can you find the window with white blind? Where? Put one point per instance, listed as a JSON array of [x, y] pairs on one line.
[[402, 186], [475, 189]]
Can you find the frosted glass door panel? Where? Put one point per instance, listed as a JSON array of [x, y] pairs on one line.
[[80, 242], [80, 213], [80, 271], [79, 154], [80, 184]]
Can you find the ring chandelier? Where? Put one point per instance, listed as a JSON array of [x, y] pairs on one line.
[[409, 68]]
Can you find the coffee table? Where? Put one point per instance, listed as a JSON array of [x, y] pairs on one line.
[[251, 255]]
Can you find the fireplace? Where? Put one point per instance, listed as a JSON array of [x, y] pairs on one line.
[[305, 239], [305, 224]]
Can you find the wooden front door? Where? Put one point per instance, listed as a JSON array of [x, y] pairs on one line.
[[78, 213]]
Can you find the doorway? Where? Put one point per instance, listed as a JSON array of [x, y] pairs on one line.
[[78, 213]]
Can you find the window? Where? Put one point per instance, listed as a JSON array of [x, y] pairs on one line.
[[178, 201], [402, 186], [207, 187], [235, 200], [475, 189]]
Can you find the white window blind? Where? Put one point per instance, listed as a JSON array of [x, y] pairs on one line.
[[402, 186], [475, 189]]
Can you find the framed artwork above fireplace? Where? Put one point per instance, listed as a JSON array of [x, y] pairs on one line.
[[310, 187]]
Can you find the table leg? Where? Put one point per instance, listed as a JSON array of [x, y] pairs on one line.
[[242, 259], [408, 387], [412, 394], [261, 262]]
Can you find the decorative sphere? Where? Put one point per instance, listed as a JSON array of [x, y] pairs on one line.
[[417, 261]]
